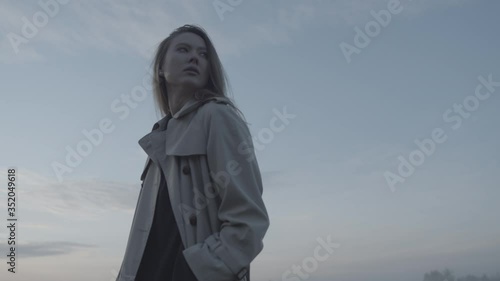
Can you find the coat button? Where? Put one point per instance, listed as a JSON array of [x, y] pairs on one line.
[[192, 219], [186, 170]]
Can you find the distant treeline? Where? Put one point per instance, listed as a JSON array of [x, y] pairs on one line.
[[447, 275]]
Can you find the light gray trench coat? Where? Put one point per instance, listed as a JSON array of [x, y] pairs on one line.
[[215, 189]]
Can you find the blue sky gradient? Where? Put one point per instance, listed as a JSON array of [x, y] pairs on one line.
[[324, 173]]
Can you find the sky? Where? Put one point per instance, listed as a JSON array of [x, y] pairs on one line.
[[387, 154]]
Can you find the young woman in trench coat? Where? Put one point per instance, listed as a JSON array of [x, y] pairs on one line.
[[200, 214]]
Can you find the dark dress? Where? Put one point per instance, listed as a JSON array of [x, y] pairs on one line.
[[163, 259]]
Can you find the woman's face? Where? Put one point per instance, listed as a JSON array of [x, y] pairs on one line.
[[186, 50]]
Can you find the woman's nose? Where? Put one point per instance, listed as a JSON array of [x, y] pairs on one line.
[[194, 57]]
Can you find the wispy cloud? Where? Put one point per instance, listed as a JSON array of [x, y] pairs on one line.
[[76, 199], [127, 27], [50, 248], [355, 12], [107, 26]]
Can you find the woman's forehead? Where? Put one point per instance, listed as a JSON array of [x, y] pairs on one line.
[[190, 39]]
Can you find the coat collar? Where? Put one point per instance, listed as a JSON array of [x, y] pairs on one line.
[[190, 105], [154, 143]]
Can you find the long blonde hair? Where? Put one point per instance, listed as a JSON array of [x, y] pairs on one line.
[[217, 85]]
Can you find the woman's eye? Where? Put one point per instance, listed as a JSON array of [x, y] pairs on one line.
[[204, 54]]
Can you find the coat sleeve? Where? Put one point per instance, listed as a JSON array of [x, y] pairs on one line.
[[226, 254]]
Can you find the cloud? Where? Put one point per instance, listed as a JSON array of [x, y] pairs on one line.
[[356, 12], [29, 54], [126, 27], [129, 28], [105, 26], [293, 18], [77, 199], [10, 22], [42, 249]]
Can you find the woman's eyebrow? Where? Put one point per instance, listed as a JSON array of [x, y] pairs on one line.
[[202, 48]]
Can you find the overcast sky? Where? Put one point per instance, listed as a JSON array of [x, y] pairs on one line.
[[390, 148]]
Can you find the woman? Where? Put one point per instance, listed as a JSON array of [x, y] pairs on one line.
[[200, 214]]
